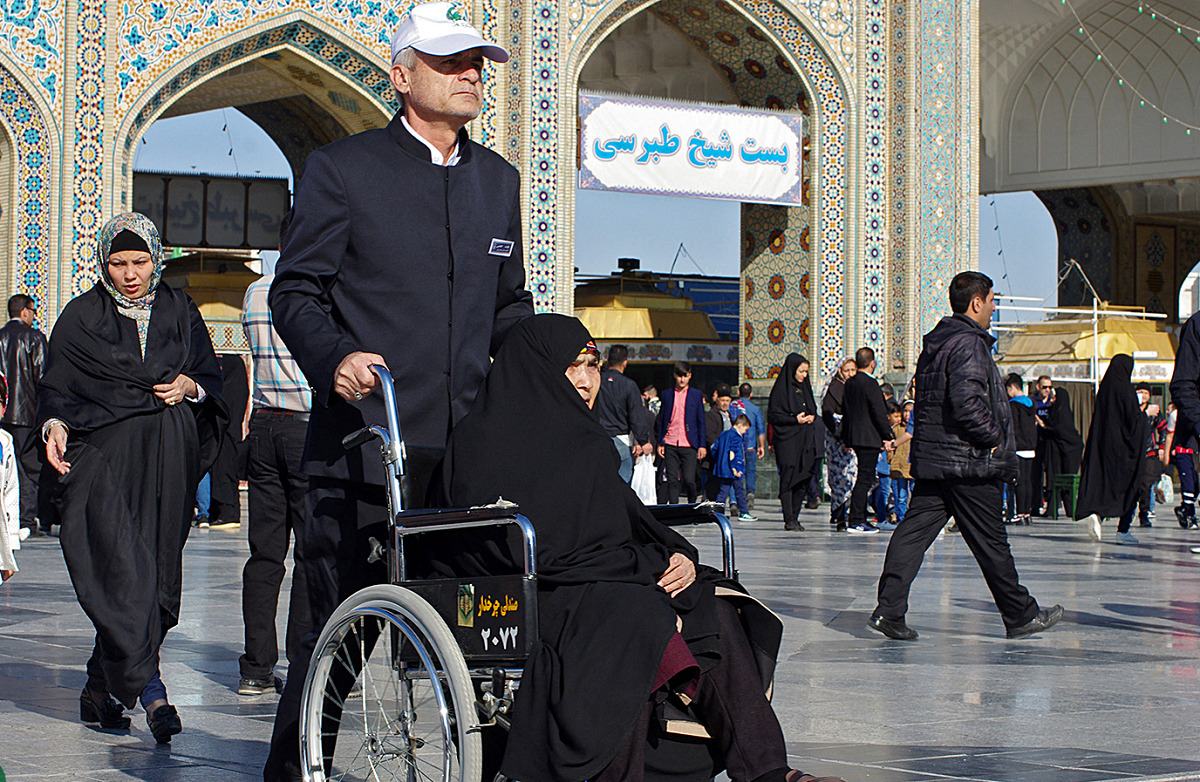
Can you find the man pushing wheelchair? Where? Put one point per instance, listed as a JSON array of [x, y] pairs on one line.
[[407, 240]]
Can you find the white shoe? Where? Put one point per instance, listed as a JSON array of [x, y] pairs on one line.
[[1093, 523], [1195, 549], [24, 534]]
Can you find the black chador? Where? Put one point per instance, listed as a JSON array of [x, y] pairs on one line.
[[605, 626], [1116, 445], [126, 504]]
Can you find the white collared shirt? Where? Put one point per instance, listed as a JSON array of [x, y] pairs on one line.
[[435, 155]]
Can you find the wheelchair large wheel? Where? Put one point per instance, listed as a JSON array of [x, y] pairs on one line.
[[388, 696]]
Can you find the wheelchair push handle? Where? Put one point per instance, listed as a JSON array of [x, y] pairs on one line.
[[392, 441]]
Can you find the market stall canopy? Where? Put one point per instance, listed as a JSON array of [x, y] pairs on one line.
[[1064, 348], [630, 309]]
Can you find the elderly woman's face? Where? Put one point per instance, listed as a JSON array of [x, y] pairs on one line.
[[584, 374], [848, 370], [130, 272]]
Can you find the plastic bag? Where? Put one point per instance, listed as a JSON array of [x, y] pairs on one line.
[[643, 479], [1164, 492]]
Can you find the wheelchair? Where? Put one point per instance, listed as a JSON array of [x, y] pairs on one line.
[[407, 676]]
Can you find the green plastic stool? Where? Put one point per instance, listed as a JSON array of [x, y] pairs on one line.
[[1064, 483]]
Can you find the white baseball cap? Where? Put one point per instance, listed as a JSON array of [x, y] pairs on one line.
[[439, 29]]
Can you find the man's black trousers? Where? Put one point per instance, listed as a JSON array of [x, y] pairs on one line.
[[679, 463], [343, 516], [976, 506], [867, 457], [277, 512]]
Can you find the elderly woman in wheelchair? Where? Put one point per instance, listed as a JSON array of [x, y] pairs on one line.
[[644, 665]]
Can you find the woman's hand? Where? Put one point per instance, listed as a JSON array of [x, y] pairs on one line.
[[681, 573], [177, 390], [56, 449]]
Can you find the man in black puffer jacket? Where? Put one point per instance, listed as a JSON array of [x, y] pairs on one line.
[[962, 450]]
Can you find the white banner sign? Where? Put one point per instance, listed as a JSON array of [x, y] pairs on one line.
[[662, 148]]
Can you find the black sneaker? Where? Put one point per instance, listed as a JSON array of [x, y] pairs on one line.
[[892, 628], [260, 686], [1181, 516], [1045, 619], [863, 528]]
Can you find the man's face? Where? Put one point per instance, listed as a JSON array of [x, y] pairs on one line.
[[650, 393], [723, 403], [1013, 391], [681, 381], [445, 89], [981, 309], [1044, 388], [584, 374], [1143, 396]]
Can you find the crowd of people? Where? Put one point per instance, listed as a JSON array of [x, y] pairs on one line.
[[110, 427]]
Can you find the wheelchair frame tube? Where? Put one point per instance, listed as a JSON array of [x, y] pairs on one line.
[[726, 544], [393, 449]]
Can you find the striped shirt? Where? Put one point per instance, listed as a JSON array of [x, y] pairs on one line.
[[278, 381]]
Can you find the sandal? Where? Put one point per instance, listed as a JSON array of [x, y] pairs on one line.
[[164, 723], [107, 712]]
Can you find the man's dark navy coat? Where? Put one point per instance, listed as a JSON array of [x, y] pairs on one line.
[[420, 263]]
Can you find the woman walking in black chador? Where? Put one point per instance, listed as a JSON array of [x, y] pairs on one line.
[[130, 409], [791, 412]]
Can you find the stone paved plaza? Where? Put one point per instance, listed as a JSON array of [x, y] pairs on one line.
[[1110, 694]]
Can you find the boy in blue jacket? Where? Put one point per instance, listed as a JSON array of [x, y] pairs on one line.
[[729, 465]]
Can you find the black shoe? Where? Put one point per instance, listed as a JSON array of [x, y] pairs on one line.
[[260, 686], [107, 712], [793, 526], [164, 723], [1043, 621], [841, 527], [1181, 516], [1145, 523], [813, 503], [892, 628]]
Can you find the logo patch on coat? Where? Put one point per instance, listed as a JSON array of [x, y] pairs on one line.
[[501, 247]]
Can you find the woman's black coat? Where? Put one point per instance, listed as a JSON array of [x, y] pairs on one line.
[[126, 504]]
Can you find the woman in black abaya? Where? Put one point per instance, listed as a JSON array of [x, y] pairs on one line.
[[791, 412], [130, 410], [1066, 446], [1116, 446], [613, 583]]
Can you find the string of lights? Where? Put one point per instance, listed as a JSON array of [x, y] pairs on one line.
[[1143, 100]]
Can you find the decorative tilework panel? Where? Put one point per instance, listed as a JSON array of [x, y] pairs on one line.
[[898, 182], [489, 25], [30, 218], [515, 114], [941, 201], [775, 287], [31, 34], [90, 58], [834, 18], [873, 294], [1085, 234], [154, 36], [757, 71], [542, 97]]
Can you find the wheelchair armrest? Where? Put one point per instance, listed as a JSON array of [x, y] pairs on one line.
[[701, 513], [415, 522]]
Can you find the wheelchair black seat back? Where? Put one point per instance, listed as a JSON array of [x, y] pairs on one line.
[[416, 679]]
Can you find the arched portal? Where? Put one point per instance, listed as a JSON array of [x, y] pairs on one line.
[[26, 151], [305, 85], [790, 255]]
